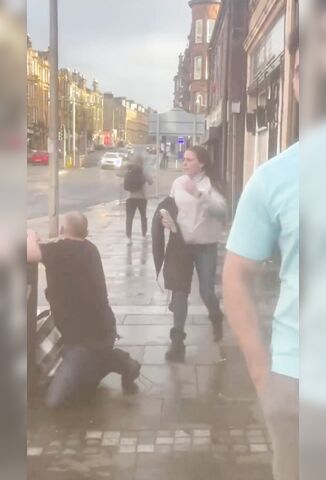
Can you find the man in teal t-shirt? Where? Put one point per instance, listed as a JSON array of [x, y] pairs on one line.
[[267, 218]]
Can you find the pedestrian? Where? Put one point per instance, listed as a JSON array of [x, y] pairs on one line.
[[268, 217], [77, 294], [200, 212], [135, 180], [164, 160]]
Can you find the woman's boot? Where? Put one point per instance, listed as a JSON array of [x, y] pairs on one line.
[[177, 350], [217, 323]]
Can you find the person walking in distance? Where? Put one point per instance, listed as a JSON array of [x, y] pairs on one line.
[[201, 213], [135, 180], [268, 217]]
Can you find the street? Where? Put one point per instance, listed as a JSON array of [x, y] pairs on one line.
[[79, 188], [195, 420]]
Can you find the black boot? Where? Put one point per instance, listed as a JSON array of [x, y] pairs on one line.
[[177, 350], [128, 378], [129, 369], [217, 323]]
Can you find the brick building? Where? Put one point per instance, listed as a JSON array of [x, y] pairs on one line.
[[80, 110], [191, 81], [125, 120]]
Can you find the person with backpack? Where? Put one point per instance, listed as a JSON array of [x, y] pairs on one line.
[[135, 180]]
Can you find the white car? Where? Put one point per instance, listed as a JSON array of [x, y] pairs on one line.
[[111, 160]]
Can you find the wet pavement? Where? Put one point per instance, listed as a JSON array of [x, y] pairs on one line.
[[198, 420]]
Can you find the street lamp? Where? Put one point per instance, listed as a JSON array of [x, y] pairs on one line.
[[73, 102], [54, 123]]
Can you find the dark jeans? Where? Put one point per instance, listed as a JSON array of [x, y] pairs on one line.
[[204, 259], [82, 369], [131, 206]]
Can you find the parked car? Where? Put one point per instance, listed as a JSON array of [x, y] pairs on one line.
[[30, 153], [111, 160], [125, 153], [40, 158], [151, 149]]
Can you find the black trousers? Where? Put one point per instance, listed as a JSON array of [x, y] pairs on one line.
[[131, 206]]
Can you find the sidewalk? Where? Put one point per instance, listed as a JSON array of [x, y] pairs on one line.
[[194, 421]]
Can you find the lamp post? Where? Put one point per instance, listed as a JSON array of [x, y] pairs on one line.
[[158, 148], [54, 123], [73, 125]]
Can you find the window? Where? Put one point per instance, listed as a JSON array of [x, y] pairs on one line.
[[199, 31], [207, 68], [270, 47], [198, 68], [210, 29]]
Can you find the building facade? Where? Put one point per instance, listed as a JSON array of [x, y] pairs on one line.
[[204, 14], [38, 87], [182, 81], [125, 121], [226, 110], [191, 81], [272, 114], [80, 111]]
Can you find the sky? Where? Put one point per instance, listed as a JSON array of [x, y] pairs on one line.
[[130, 46]]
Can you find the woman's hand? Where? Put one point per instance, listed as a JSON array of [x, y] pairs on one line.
[[166, 224], [191, 188]]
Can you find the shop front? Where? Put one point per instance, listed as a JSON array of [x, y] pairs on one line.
[[263, 137]]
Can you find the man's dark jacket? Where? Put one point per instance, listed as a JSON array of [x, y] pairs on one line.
[[176, 257]]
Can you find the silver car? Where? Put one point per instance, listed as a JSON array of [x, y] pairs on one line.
[[111, 160]]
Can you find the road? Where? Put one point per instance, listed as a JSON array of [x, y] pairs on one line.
[[79, 189]]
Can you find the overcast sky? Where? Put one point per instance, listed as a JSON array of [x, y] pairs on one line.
[[130, 46]]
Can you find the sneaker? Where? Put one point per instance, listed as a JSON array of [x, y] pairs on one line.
[[128, 384], [129, 242]]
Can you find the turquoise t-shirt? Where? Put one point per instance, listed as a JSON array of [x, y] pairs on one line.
[[267, 216]]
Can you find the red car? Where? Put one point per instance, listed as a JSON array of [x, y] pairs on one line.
[[40, 158]]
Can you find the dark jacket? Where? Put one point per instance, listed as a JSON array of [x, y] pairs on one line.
[[175, 258]]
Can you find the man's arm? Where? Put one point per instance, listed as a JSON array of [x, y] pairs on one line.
[[241, 309], [34, 253]]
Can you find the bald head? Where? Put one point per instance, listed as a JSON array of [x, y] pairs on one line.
[[75, 224]]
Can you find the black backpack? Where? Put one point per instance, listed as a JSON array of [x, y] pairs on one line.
[[134, 179]]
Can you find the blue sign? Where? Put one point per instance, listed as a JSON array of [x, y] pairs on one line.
[[181, 140]]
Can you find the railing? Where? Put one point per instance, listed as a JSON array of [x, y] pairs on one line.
[[44, 344]]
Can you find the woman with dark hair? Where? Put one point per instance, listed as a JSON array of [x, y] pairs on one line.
[[200, 218]]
